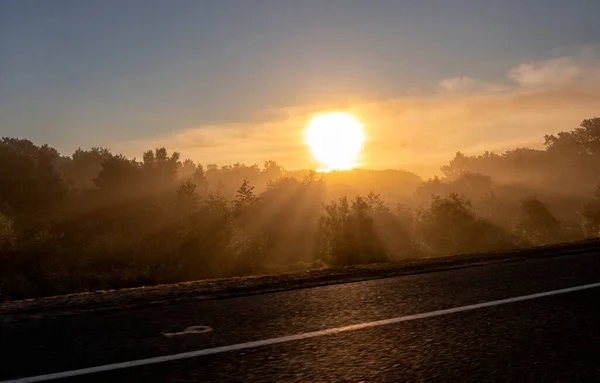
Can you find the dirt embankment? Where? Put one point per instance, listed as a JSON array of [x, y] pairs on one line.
[[231, 287]]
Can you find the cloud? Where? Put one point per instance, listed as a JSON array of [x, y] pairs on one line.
[[418, 133], [552, 72], [580, 68], [457, 84]]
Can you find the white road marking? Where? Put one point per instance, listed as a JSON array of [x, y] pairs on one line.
[[291, 338], [188, 331]]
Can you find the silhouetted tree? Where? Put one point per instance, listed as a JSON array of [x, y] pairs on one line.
[[7, 232], [536, 223], [245, 195], [119, 177], [432, 187], [450, 226], [159, 170], [394, 229], [30, 182], [199, 179], [348, 233], [591, 215], [472, 185], [84, 166], [187, 199], [187, 169], [271, 171], [584, 140]]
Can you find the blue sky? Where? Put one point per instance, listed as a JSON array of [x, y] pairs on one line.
[[83, 72]]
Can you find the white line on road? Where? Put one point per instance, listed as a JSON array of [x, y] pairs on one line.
[[291, 338], [187, 331]]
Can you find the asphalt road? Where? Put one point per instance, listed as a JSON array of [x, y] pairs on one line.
[[554, 338]]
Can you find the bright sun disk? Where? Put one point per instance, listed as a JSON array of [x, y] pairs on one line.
[[335, 139]]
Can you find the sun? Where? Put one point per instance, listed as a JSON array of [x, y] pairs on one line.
[[335, 139]]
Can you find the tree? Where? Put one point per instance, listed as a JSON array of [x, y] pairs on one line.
[[7, 232], [349, 235], [119, 177], [536, 223], [394, 228], [466, 183], [159, 170], [450, 226], [271, 171], [199, 179], [186, 197], [310, 177], [30, 179], [244, 196], [287, 217], [517, 165], [187, 169], [445, 224], [335, 235], [432, 187], [457, 166], [472, 184], [584, 140], [84, 166], [591, 215]]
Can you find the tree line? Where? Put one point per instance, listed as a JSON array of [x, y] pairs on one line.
[[97, 220]]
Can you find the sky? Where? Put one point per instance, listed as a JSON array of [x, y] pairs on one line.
[[224, 81]]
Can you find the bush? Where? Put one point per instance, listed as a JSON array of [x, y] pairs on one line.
[[591, 215], [348, 234], [7, 233], [450, 226], [536, 223]]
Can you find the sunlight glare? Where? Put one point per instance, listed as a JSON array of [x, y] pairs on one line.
[[335, 139]]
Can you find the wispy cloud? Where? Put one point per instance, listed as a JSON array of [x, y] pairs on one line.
[[458, 84], [419, 133]]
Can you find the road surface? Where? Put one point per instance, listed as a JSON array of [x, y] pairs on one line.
[[535, 321]]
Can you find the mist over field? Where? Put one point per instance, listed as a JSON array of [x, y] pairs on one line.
[[99, 220], [150, 142]]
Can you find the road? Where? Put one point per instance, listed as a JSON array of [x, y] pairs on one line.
[[499, 322]]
